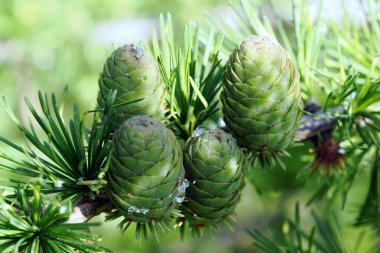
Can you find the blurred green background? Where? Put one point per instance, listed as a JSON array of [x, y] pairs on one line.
[[45, 45]]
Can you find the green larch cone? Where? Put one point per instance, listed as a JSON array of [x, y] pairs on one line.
[[261, 96], [214, 168], [145, 176], [135, 76]]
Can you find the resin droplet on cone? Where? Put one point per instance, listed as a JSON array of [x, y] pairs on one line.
[[135, 76], [261, 96]]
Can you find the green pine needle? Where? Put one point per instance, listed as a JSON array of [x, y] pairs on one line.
[[68, 159], [31, 224], [354, 43], [370, 211], [192, 75], [326, 236]]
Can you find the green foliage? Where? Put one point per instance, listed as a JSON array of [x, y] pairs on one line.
[[73, 159], [192, 75], [355, 42], [326, 236], [359, 121], [290, 239], [31, 224], [370, 211]]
